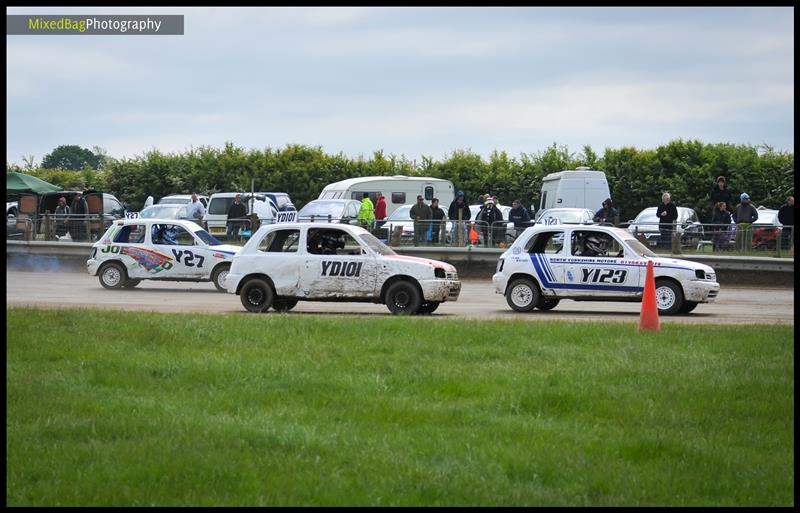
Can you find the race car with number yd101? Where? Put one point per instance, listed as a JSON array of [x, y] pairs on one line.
[[548, 263], [133, 250], [285, 263]]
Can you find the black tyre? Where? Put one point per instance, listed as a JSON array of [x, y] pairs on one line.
[[547, 304], [131, 283], [257, 295], [688, 306], [523, 295], [669, 297], [219, 275], [428, 307], [113, 275], [284, 305], [403, 297]]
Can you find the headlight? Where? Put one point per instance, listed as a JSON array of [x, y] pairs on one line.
[[500, 265]]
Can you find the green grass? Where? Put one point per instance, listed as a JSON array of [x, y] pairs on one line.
[[111, 408]]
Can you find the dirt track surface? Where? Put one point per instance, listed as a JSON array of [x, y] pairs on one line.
[[744, 305]]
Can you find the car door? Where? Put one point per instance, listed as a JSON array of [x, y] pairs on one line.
[[129, 242], [547, 254], [337, 265], [189, 256], [278, 255], [606, 274]]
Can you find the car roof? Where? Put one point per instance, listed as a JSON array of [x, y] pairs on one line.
[[158, 220]]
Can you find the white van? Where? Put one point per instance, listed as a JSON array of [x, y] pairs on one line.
[[216, 218], [578, 188], [398, 190]]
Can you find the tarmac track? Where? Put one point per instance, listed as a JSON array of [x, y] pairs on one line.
[[478, 301]]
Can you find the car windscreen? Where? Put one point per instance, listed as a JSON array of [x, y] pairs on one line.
[[220, 206], [162, 211], [375, 245], [647, 215], [207, 238], [322, 208], [565, 216], [174, 201], [638, 248], [401, 214]]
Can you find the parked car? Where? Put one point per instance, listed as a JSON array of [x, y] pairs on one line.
[[290, 262], [330, 210], [132, 250], [182, 199], [548, 263], [766, 229], [687, 224], [216, 218], [165, 211], [401, 217], [565, 216]]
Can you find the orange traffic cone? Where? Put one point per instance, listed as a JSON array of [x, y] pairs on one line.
[[648, 319]]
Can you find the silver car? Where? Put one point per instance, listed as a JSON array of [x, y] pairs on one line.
[[687, 224]]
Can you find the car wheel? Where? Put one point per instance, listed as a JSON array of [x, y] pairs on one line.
[[688, 306], [402, 297], [547, 304], [219, 275], [669, 297], [113, 276], [131, 283], [522, 295], [284, 305], [428, 307], [257, 296]]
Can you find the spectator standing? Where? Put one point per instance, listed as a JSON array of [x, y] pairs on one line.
[[196, 210], [237, 217], [786, 218], [421, 214], [719, 192], [62, 214], [439, 218], [607, 214], [380, 211], [488, 216], [459, 214], [667, 214], [721, 219], [519, 216], [79, 211], [744, 216], [366, 215]]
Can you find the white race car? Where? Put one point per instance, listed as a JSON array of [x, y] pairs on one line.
[[595, 263], [285, 263], [133, 250]]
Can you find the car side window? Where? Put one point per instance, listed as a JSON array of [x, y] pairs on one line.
[[546, 242], [398, 198], [332, 241], [172, 235], [130, 234], [280, 241], [593, 244]]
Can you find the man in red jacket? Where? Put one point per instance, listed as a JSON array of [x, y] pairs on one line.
[[380, 211]]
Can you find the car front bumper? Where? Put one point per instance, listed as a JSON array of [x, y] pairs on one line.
[[500, 282], [440, 290]]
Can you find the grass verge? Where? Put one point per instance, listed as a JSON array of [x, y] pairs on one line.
[[112, 408]]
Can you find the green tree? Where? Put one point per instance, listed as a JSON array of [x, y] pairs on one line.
[[71, 157]]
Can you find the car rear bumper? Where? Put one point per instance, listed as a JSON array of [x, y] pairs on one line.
[[701, 291], [232, 282]]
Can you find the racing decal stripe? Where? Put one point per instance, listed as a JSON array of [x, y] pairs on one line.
[[644, 265], [548, 271], [226, 252], [538, 259]]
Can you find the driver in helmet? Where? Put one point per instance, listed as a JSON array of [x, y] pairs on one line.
[[330, 243], [594, 245]]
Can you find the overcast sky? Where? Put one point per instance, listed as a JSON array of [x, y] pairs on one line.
[[411, 81]]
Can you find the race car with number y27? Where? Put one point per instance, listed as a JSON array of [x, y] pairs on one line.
[[595, 263], [289, 262], [133, 250]]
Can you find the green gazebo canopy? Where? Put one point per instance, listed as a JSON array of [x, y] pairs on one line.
[[21, 182]]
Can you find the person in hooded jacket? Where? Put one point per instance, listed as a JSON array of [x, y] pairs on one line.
[[488, 215], [459, 214]]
